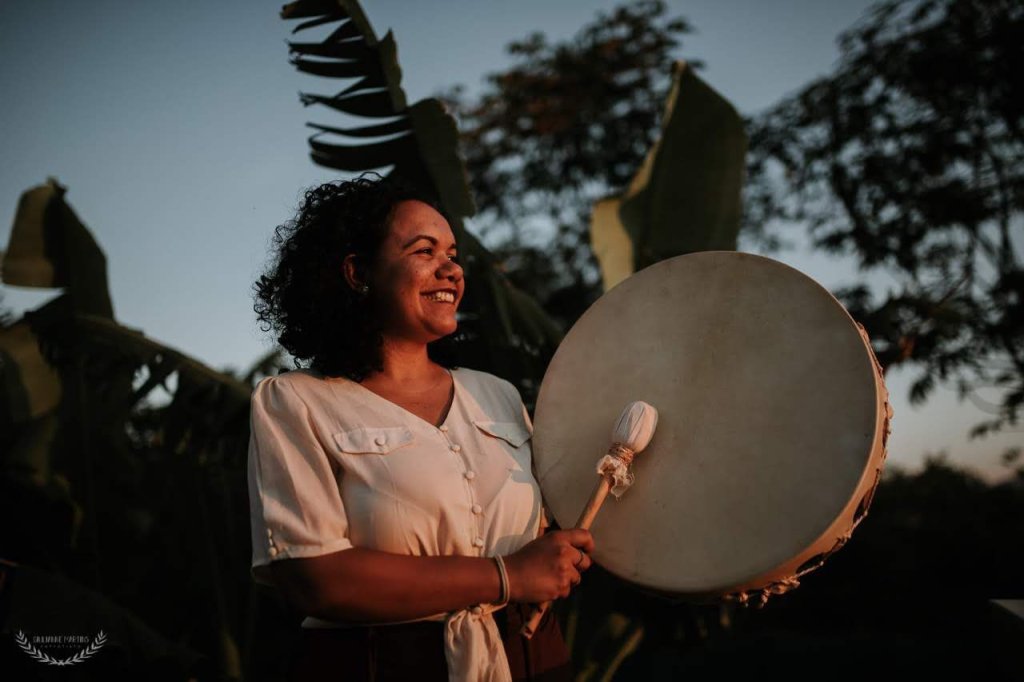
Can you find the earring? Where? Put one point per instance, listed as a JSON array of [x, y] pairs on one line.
[[363, 289]]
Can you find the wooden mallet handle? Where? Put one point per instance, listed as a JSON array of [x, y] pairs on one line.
[[586, 518]]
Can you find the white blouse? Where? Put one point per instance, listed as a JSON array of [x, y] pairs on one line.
[[333, 465]]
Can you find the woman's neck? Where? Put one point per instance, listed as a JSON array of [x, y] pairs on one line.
[[405, 363]]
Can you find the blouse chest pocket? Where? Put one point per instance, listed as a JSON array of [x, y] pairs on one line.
[[512, 433], [506, 448], [377, 441]]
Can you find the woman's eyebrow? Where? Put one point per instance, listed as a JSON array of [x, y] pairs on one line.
[[430, 239], [417, 239]]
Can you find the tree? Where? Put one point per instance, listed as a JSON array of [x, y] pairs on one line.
[[910, 158], [568, 123]]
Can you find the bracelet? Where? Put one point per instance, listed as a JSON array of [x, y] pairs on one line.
[[503, 574]]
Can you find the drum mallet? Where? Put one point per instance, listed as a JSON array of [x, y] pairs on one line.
[[631, 435]]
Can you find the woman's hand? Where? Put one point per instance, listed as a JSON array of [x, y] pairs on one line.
[[550, 566]]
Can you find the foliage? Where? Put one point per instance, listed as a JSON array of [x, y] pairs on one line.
[[910, 157], [568, 123], [913, 583], [95, 463]]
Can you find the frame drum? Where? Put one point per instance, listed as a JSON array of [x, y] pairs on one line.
[[772, 427]]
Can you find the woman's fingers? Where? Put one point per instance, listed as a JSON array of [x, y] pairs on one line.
[[581, 539], [574, 579], [583, 543], [550, 566]]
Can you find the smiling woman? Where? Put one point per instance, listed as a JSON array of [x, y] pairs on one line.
[[415, 280], [316, 295], [393, 500]]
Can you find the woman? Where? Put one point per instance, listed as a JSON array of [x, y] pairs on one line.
[[392, 498]]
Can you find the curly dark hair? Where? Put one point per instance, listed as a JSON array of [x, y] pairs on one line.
[[303, 295]]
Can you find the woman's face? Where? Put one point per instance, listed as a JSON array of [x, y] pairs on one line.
[[415, 283]]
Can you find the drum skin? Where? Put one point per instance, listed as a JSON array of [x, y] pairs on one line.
[[772, 428]]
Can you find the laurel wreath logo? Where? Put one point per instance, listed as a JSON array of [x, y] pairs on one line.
[[82, 655]]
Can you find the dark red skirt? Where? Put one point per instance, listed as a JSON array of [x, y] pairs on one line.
[[415, 651]]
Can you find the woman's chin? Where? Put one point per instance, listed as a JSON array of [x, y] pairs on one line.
[[446, 330], [447, 324], [440, 329]]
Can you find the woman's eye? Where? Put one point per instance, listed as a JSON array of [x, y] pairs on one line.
[[453, 258]]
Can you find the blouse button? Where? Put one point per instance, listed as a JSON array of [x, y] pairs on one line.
[[478, 542], [380, 440], [273, 551], [443, 428], [270, 533], [477, 509], [477, 610], [456, 448], [470, 475]]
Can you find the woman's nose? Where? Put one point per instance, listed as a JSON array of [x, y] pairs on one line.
[[450, 270]]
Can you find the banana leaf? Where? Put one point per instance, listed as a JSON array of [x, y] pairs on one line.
[[30, 386], [686, 195], [611, 243], [50, 248]]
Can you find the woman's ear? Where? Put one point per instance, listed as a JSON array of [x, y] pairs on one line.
[[354, 274]]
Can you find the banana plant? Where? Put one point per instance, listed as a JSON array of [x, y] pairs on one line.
[[110, 488]]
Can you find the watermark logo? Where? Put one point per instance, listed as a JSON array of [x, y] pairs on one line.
[[62, 641]]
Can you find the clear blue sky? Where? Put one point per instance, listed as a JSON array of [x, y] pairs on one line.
[[177, 130]]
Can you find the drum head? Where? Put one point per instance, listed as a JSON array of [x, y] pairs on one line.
[[768, 404]]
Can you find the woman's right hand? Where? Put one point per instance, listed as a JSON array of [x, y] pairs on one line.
[[550, 566]]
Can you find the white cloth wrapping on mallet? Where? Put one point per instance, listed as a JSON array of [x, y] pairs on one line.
[[633, 431]]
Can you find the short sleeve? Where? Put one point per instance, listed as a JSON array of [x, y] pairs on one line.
[[526, 418], [294, 500]]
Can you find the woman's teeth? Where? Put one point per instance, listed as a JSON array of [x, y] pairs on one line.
[[445, 296]]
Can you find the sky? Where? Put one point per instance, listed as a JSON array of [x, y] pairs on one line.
[[177, 130]]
